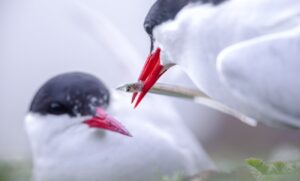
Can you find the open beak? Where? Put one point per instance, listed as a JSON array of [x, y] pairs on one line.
[[150, 74], [104, 121]]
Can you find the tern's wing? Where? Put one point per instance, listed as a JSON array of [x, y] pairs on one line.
[[265, 73]]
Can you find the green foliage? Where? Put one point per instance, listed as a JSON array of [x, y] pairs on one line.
[[14, 171], [276, 171], [258, 165], [176, 177], [256, 170]]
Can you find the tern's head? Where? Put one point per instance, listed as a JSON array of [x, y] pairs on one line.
[[68, 101], [166, 10], [162, 13]]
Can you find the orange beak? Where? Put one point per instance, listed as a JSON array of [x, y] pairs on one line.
[[150, 74]]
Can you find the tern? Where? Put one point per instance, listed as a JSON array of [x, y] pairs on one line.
[[74, 136], [241, 53]]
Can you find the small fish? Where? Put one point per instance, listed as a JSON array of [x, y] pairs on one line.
[[196, 96], [164, 89], [131, 87]]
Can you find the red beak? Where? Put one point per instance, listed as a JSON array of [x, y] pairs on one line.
[[150, 74], [104, 121]]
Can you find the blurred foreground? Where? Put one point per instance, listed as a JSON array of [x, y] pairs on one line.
[[251, 170], [15, 171]]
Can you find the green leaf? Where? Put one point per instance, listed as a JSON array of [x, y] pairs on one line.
[[258, 165], [176, 177], [278, 168]]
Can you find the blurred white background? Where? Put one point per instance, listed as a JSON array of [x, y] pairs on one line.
[[42, 38]]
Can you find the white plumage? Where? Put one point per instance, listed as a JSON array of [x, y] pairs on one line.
[[65, 149], [243, 53]]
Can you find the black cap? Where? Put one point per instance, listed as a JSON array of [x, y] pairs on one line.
[[71, 93], [164, 10]]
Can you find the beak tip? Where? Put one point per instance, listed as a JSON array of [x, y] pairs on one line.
[[150, 74], [126, 133], [133, 97]]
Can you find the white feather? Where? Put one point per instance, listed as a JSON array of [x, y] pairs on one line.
[[200, 34], [269, 81], [66, 149]]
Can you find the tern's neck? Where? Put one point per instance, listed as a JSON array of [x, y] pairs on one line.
[[183, 45], [54, 135]]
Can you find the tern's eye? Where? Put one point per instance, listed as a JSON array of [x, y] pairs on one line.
[[57, 109]]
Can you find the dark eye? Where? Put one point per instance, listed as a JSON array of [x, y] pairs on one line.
[[57, 109], [148, 28]]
